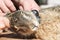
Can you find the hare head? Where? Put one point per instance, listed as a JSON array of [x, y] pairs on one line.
[[25, 22]]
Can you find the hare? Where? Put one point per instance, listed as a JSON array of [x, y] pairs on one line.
[[26, 23], [23, 22]]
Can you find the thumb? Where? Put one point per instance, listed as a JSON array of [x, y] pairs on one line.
[[6, 22], [2, 26]]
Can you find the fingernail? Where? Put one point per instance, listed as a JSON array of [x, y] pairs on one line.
[[13, 8]]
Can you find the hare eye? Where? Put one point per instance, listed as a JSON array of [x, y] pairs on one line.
[[35, 12]]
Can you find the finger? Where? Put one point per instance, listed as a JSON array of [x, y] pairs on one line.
[[2, 14], [10, 5], [2, 26], [1, 11], [35, 6], [1, 23], [26, 6], [3, 6], [20, 7], [6, 22]]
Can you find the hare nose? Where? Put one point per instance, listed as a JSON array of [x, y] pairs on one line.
[[35, 12]]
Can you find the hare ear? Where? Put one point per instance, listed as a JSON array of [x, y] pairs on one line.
[[41, 2]]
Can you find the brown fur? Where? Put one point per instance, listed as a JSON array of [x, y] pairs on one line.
[[50, 24]]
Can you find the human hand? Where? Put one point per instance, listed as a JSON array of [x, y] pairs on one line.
[[27, 5], [6, 6], [4, 23]]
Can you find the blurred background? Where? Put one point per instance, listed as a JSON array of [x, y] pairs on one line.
[[47, 3]]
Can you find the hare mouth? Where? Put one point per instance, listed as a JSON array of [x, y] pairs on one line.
[[34, 28]]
